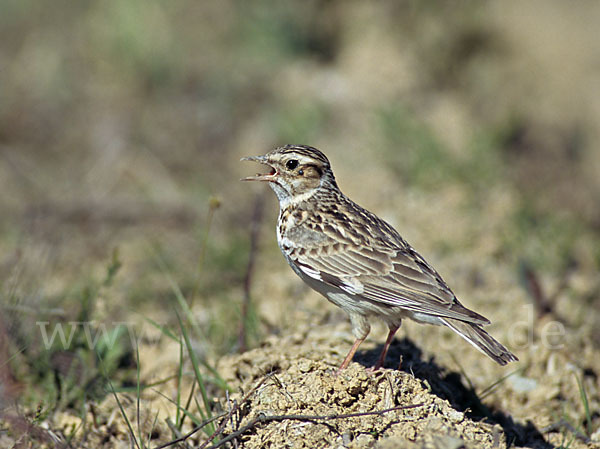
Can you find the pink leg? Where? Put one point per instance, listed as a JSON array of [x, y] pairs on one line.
[[350, 355], [388, 341]]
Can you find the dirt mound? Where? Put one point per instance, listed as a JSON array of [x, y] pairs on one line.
[[289, 396]]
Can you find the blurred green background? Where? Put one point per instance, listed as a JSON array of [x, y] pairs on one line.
[[122, 124]]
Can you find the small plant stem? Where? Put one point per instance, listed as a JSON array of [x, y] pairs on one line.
[[254, 237]]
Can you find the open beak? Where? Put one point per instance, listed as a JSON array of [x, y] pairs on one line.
[[270, 176]]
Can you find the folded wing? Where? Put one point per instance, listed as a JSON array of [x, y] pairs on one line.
[[395, 276]]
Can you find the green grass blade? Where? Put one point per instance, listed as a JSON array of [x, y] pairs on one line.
[[163, 329], [183, 410], [138, 394], [206, 413], [119, 404], [488, 390], [178, 416], [586, 405]]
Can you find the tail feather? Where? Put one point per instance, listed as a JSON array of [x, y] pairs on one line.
[[483, 341]]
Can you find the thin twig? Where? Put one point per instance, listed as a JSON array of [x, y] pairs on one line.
[[545, 304], [191, 432], [177, 432], [227, 416], [234, 425], [213, 204], [564, 424], [234, 410], [535, 289], [254, 236], [264, 418]]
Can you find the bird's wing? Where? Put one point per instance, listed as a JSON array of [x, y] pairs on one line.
[[393, 275]]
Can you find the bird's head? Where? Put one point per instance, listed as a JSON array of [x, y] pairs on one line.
[[296, 172]]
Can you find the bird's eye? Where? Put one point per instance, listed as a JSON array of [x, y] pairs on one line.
[[291, 164]]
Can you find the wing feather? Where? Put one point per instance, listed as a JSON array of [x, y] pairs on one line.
[[391, 276], [364, 256]]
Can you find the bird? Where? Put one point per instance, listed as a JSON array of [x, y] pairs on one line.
[[358, 261]]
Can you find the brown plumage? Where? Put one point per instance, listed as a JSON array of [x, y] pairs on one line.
[[358, 261]]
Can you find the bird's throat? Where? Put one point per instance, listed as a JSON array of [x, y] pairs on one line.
[[287, 199]]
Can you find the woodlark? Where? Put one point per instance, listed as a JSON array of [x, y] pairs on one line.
[[357, 260]]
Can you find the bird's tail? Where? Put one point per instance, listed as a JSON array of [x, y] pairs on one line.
[[483, 341]]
